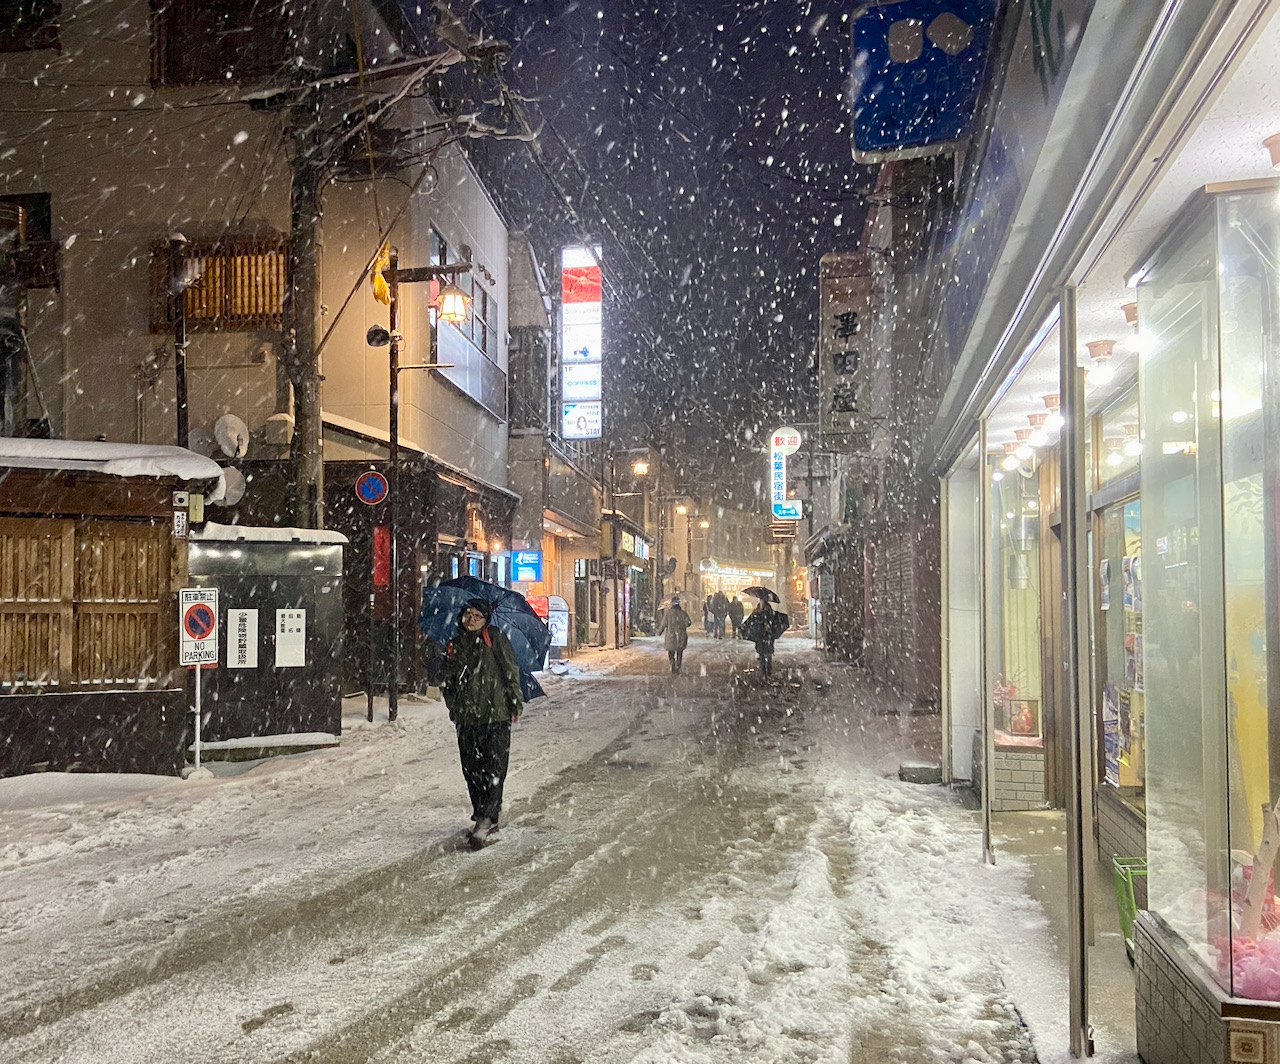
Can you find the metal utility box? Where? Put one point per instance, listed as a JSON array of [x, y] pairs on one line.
[[280, 629]]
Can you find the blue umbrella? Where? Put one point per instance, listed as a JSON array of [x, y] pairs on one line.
[[512, 615]]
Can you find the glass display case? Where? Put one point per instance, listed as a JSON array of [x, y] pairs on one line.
[[1209, 551]]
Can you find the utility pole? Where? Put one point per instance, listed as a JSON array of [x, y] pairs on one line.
[[305, 456], [178, 311]]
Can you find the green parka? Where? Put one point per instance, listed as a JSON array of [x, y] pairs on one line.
[[480, 681]]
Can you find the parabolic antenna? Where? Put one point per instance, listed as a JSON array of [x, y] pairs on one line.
[[232, 435], [234, 483]]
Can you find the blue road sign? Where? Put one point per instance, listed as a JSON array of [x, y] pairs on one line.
[[918, 68], [371, 487]]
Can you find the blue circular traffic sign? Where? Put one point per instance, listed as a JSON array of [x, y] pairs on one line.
[[371, 487], [199, 621]]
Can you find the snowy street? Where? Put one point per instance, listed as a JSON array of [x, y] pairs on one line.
[[690, 869]]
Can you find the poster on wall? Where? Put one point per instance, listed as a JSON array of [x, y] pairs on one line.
[[1104, 582], [1111, 735]]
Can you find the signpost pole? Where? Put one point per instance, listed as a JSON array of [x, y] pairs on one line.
[[372, 489], [393, 483], [199, 670]]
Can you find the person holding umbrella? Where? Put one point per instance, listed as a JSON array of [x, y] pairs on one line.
[[481, 686], [674, 629], [763, 627]]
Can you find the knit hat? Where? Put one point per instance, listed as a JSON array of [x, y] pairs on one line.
[[483, 606]]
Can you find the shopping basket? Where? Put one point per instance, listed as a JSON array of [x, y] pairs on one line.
[[1126, 869]]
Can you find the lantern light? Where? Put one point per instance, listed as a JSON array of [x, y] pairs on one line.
[[452, 304]]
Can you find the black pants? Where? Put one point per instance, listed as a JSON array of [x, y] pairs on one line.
[[676, 657], [485, 750]]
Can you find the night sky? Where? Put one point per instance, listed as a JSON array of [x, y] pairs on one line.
[[706, 148]]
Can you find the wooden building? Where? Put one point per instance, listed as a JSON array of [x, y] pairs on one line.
[[93, 551]]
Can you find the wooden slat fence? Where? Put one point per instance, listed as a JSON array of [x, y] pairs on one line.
[[80, 604]]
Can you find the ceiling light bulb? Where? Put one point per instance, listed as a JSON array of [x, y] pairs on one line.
[[1100, 375], [1178, 417], [1055, 422], [1011, 462], [1024, 453], [1038, 438], [1114, 458], [1132, 448], [997, 476]]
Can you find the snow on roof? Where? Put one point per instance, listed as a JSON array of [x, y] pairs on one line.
[[115, 459], [214, 532]]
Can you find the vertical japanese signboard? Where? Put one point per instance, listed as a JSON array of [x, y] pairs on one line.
[[784, 442], [844, 361], [581, 341]]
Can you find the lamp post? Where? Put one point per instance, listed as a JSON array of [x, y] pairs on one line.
[[452, 308]]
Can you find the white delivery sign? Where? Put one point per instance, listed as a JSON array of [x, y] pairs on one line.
[[198, 626]]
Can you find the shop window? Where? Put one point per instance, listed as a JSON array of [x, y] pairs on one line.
[[1015, 649], [26, 25], [1119, 445], [1119, 652], [1210, 501], [197, 42]]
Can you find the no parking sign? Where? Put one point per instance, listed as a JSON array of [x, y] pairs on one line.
[[198, 626]]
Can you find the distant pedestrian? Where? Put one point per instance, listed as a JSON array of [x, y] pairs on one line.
[[719, 611], [706, 614], [736, 613], [674, 629], [481, 687], [763, 627]]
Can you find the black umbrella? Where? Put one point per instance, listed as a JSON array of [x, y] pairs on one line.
[[760, 593]]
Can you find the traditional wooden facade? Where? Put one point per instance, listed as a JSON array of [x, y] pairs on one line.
[[92, 555]]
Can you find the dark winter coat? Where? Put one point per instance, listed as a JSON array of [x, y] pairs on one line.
[[719, 605], [764, 626], [736, 611], [675, 624], [479, 680]]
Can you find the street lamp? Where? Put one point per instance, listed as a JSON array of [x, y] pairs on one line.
[[451, 305]]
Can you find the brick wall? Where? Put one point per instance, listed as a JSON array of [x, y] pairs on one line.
[[1122, 832], [1183, 1018], [1017, 780]]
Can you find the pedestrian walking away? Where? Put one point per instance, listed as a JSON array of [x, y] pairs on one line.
[[763, 627], [674, 629], [736, 612], [719, 611], [481, 686]]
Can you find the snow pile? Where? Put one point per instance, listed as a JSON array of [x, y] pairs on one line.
[[939, 918]]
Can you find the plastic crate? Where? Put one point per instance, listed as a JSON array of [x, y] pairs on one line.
[[1126, 869]]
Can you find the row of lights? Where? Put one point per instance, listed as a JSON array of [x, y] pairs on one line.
[[1100, 374], [1023, 448]]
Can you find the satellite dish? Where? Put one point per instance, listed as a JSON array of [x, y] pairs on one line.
[[232, 435], [233, 489]]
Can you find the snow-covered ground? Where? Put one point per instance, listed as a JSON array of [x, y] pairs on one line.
[[691, 869]]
